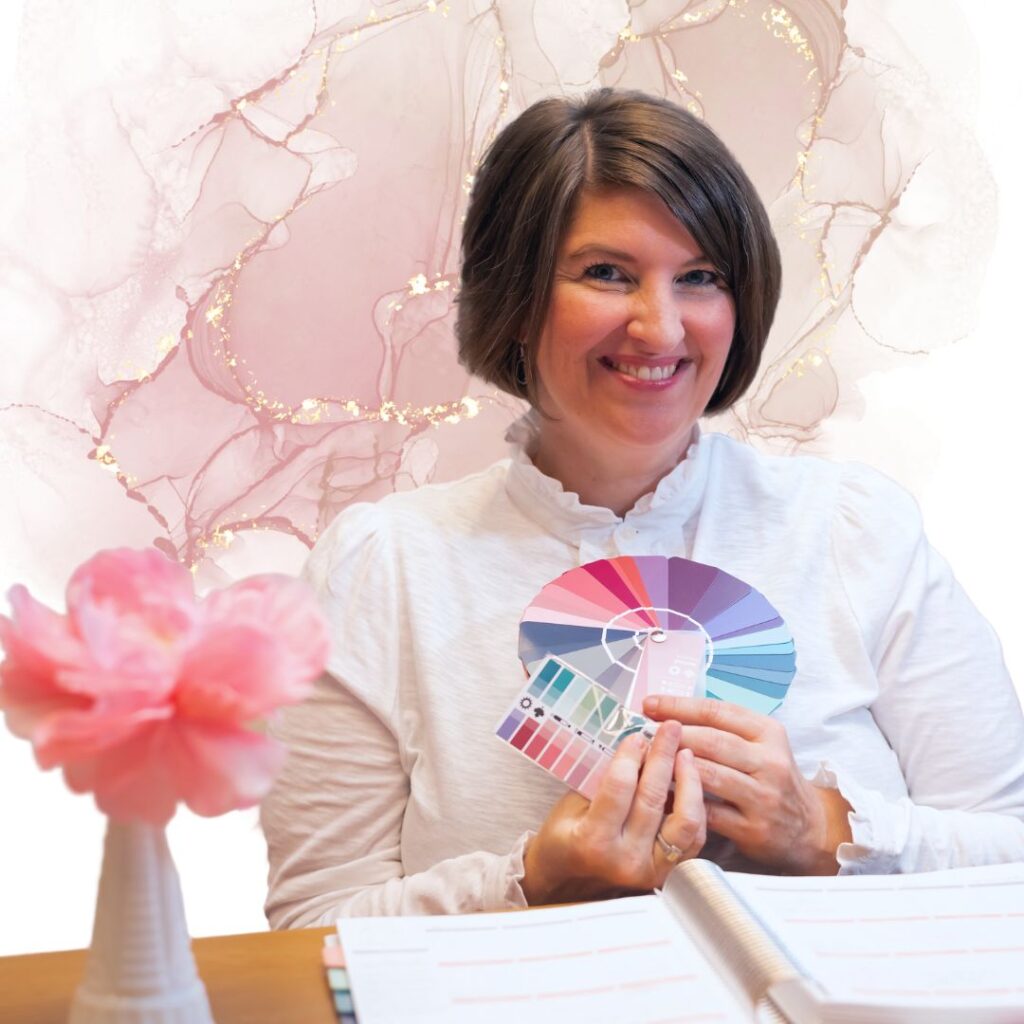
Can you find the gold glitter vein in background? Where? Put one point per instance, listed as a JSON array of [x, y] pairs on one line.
[[710, 12], [316, 410], [811, 359], [319, 410], [781, 24], [105, 457], [777, 20]]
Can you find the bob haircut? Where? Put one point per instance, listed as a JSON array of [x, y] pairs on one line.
[[524, 197]]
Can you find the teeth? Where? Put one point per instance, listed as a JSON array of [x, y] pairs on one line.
[[646, 372]]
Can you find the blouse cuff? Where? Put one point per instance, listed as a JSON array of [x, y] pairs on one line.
[[508, 890], [875, 846]]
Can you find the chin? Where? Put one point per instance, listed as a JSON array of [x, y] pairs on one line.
[[653, 442]]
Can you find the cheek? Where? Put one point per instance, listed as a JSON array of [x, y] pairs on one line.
[[577, 324], [713, 329], [580, 319]]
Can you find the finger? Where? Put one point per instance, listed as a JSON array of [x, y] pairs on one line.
[[737, 788], [718, 714], [686, 826], [614, 795], [724, 748], [727, 821], [648, 807]]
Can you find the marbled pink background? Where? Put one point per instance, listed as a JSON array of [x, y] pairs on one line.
[[234, 242], [211, 214]]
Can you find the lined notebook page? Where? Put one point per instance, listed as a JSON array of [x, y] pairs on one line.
[[623, 960], [944, 938]]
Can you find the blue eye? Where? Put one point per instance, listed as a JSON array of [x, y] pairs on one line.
[[602, 272], [700, 277]]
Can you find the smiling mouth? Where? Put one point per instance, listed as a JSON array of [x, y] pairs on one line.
[[652, 373]]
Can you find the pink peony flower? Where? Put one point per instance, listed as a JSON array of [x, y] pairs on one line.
[[146, 696]]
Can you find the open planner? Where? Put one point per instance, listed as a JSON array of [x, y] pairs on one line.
[[713, 946]]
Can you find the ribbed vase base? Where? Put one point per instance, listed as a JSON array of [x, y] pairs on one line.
[[189, 1007], [140, 968]]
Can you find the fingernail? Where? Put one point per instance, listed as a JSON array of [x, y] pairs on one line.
[[652, 705]]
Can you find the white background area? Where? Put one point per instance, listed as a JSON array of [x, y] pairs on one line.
[[956, 414]]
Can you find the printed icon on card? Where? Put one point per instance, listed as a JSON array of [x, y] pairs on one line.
[[651, 624], [569, 725]]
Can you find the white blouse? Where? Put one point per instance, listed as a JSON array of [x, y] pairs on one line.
[[398, 798]]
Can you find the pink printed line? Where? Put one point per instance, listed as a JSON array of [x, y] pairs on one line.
[[635, 945], [968, 917], [917, 952], [849, 956], [652, 982], [898, 920], [575, 955], [511, 998], [573, 992], [825, 920], [569, 992], [890, 888], [691, 1018], [950, 992], [894, 991], [476, 963], [556, 956]]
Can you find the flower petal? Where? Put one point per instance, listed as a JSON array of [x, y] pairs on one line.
[[144, 697], [37, 644], [283, 607], [212, 768], [26, 715], [77, 734], [135, 611], [236, 673], [40, 637], [133, 781], [223, 769]]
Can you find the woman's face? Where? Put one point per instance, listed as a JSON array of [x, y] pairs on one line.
[[638, 328]]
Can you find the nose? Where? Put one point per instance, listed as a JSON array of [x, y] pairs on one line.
[[656, 319]]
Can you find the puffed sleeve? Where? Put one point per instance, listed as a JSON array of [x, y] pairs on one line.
[[333, 820], [945, 701]]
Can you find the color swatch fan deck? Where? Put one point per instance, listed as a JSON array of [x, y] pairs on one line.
[[650, 624], [569, 725]]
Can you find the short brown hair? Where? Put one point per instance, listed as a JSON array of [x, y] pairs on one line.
[[524, 197]]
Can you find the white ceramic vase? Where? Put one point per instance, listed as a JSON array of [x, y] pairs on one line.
[[140, 968]]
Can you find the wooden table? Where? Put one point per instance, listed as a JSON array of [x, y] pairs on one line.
[[262, 978]]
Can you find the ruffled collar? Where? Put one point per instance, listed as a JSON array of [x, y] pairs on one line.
[[652, 526]]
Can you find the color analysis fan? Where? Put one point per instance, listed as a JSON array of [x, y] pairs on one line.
[[651, 624]]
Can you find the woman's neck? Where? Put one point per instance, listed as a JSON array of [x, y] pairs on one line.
[[613, 479]]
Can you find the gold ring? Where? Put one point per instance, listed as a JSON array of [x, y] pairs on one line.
[[672, 853]]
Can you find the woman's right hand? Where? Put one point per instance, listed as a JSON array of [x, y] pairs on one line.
[[595, 849]]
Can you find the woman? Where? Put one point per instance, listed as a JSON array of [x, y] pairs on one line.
[[619, 272]]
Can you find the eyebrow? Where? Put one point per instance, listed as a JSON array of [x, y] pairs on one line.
[[596, 248]]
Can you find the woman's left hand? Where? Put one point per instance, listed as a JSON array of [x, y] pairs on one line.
[[769, 810]]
